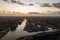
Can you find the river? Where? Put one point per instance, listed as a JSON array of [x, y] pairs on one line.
[[19, 32]]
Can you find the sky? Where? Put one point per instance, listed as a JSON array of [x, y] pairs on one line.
[[25, 7], [41, 1]]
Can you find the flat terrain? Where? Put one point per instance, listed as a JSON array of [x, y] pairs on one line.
[[34, 24]]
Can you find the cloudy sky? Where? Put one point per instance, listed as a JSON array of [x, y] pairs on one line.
[[41, 1], [26, 6]]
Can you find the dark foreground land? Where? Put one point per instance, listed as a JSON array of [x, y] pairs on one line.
[[43, 36], [34, 24]]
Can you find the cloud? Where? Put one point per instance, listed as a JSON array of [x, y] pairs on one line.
[[56, 5], [14, 1], [45, 5], [31, 4], [18, 2], [6, 1], [53, 5], [57, 13]]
